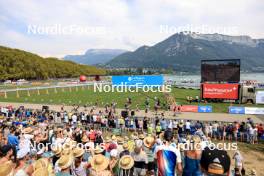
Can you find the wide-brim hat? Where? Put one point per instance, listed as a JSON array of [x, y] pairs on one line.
[[78, 152], [41, 172], [126, 162], [85, 139], [113, 137], [125, 146], [65, 161], [141, 136], [120, 140], [41, 163], [27, 130], [99, 162], [57, 150], [7, 168], [126, 138], [149, 141], [107, 139]]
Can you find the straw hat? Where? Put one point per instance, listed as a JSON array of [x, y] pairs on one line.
[[126, 162], [27, 130], [120, 140], [41, 163], [66, 152], [78, 152], [99, 162], [65, 161], [252, 172], [41, 172], [149, 141], [85, 139], [141, 136], [57, 150], [113, 137], [126, 138], [107, 139], [125, 146], [98, 149], [7, 168]]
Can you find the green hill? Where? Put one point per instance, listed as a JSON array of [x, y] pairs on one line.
[[19, 64]]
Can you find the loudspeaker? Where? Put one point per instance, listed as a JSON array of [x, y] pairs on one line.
[[132, 113], [124, 114]]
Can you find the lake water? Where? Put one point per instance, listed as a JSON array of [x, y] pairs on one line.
[[194, 80], [258, 77]]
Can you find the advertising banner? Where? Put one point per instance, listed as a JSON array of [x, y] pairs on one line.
[[253, 110], [260, 97], [150, 80], [189, 108], [236, 110], [205, 109], [220, 91]]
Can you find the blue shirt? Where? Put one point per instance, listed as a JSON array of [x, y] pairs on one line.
[[13, 140]]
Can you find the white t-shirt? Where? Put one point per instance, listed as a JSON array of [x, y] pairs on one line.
[[74, 118], [188, 125]]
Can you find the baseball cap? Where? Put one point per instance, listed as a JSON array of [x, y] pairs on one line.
[[215, 161]]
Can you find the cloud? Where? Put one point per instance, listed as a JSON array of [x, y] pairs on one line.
[[127, 24]]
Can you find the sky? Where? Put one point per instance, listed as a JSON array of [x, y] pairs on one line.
[[61, 27]]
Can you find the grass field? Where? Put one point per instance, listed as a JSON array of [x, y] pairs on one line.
[[87, 96]]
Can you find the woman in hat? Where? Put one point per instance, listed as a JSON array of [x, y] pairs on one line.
[[79, 167], [100, 166], [149, 142], [125, 150], [7, 168], [126, 163], [113, 164], [64, 163], [140, 159]]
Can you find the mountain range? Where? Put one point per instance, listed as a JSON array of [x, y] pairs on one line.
[[95, 56], [184, 52]]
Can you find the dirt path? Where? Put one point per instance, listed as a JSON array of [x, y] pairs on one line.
[[168, 114]]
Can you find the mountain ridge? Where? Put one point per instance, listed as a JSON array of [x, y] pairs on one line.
[[183, 52]]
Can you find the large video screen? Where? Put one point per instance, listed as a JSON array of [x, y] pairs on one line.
[[220, 70]]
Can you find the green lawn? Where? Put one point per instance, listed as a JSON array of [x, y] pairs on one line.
[[89, 97]]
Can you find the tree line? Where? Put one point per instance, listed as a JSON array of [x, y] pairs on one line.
[[17, 64]]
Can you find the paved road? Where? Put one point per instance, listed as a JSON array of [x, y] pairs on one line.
[[192, 116]]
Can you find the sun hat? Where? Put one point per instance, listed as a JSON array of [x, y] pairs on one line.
[[126, 138], [141, 136], [78, 152], [125, 146], [66, 151], [41, 163], [56, 150], [215, 161], [99, 162], [119, 140], [27, 130], [41, 172], [113, 137], [107, 139], [85, 139], [126, 162], [7, 168], [149, 141], [65, 161]]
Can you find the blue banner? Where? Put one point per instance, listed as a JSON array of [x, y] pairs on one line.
[[236, 110], [205, 109], [150, 80]]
